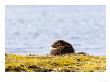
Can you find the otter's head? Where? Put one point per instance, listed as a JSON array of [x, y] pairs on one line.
[[59, 43]]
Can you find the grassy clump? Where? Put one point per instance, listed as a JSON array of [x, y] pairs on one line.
[[67, 63]]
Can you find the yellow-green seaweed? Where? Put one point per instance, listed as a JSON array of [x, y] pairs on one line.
[[66, 63]]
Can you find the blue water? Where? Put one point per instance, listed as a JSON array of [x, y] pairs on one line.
[[32, 29]]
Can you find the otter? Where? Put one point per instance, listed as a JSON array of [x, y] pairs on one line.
[[61, 47]]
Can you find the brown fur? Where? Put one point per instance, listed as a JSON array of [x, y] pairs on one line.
[[61, 47]]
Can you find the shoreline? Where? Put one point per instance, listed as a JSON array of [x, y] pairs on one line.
[[46, 63], [26, 54]]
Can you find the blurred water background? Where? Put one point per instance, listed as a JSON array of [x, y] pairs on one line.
[[32, 29]]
